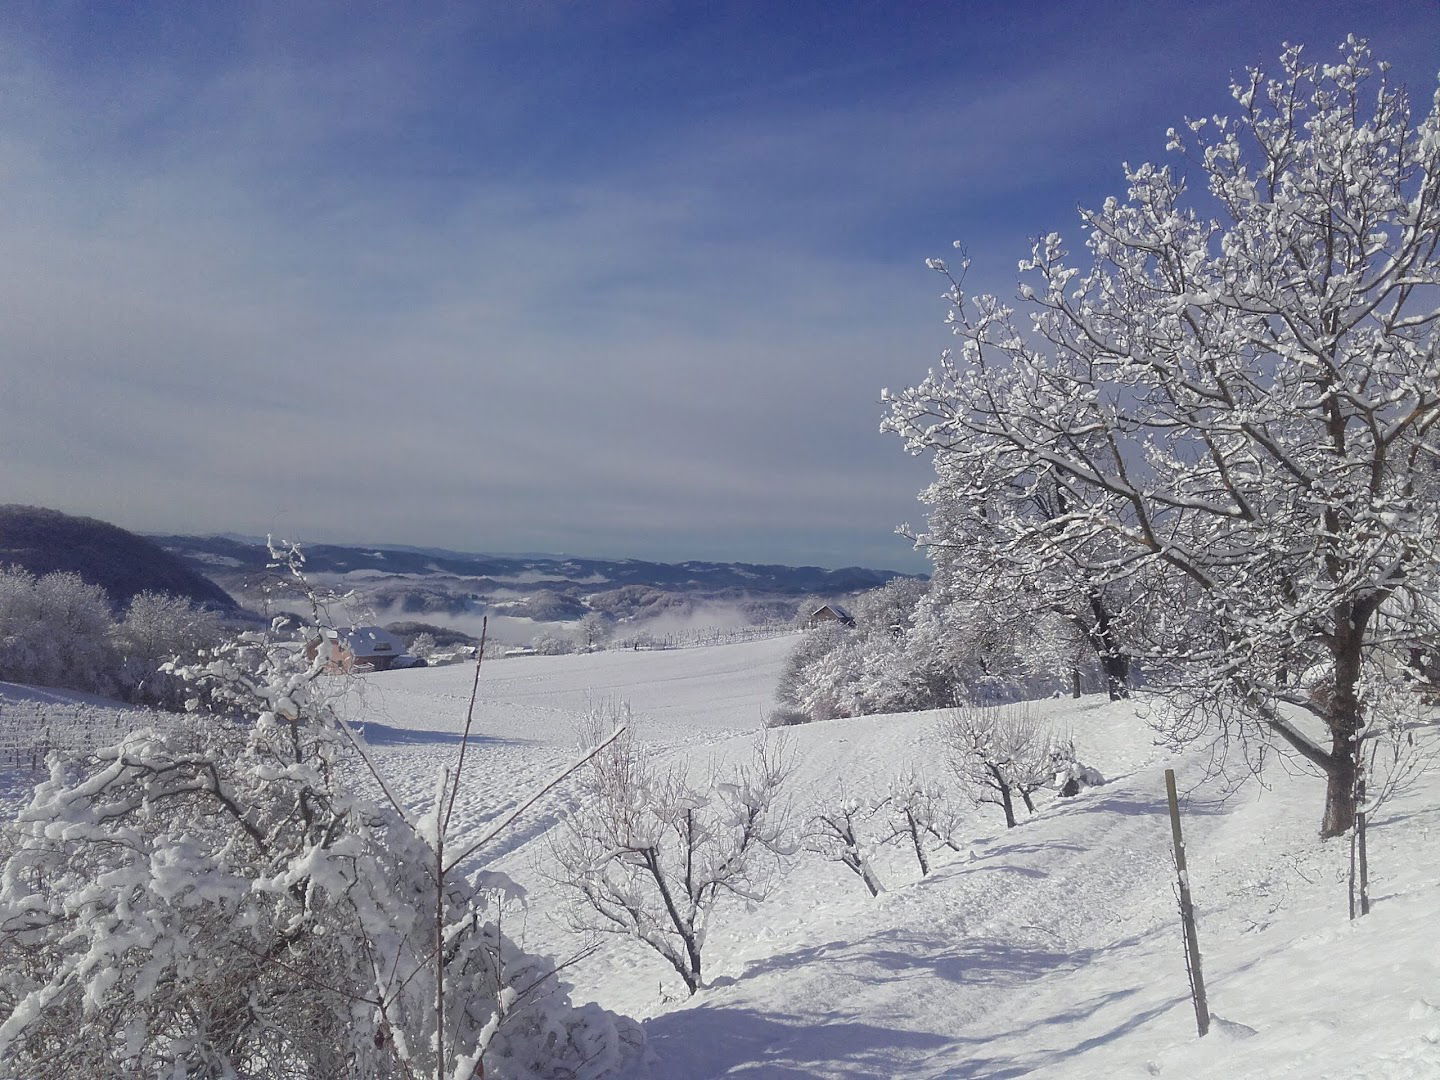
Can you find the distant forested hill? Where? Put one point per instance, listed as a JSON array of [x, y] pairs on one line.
[[234, 558], [120, 562]]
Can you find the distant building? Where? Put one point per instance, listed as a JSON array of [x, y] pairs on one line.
[[830, 613], [358, 648]]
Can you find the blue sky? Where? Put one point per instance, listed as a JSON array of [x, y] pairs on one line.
[[607, 278]]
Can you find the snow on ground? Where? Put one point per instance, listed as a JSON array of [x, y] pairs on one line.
[[1050, 950], [37, 719]]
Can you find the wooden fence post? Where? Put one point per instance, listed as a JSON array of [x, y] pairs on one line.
[[1187, 912]]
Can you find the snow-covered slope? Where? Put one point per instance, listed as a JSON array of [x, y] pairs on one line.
[[1051, 950]]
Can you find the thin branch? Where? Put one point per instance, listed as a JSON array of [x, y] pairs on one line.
[[555, 782]]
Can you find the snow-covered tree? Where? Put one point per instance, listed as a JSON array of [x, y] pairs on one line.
[[554, 643], [55, 630], [978, 641], [997, 754], [920, 815], [819, 673], [1237, 396], [837, 833], [214, 900], [422, 645], [160, 629], [887, 662], [648, 852], [1017, 619], [594, 630]]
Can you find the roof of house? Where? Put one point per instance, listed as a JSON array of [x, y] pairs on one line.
[[367, 641]]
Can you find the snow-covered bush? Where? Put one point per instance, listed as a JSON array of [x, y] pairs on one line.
[[787, 718], [215, 900], [996, 754], [648, 852], [1069, 774]]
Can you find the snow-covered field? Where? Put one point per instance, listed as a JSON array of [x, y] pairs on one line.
[[1052, 949], [1049, 950]]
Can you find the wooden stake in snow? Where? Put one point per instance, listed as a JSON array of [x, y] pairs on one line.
[[1187, 912], [1359, 897]]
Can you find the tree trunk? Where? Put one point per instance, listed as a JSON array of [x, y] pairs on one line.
[[867, 875], [1339, 795], [1114, 663], [1006, 803], [917, 840], [1343, 719], [1008, 806], [1117, 675]]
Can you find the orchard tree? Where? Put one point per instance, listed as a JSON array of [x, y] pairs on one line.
[[648, 853], [996, 754], [1236, 393], [836, 833]]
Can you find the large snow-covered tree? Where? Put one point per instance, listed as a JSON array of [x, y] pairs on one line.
[[1235, 394]]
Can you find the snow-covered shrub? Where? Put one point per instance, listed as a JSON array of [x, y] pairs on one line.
[[996, 754], [648, 852], [55, 630], [787, 718], [215, 900]]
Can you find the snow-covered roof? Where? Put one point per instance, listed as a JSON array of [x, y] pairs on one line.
[[365, 641]]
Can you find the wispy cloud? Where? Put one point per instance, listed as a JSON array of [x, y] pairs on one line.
[[455, 280]]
